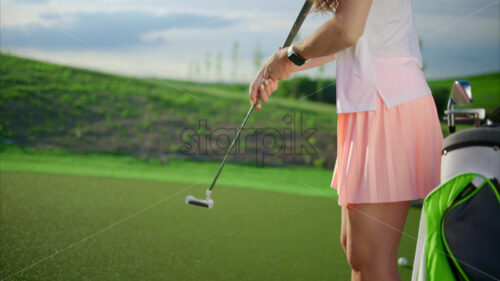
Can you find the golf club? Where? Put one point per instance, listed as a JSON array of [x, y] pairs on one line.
[[208, 202]]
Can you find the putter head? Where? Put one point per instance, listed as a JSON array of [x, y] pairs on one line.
[[207, 203]]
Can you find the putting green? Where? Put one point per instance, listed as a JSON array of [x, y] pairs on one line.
[[95, 228]]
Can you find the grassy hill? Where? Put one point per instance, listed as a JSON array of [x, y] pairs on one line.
[[53, 106], [50, 106]]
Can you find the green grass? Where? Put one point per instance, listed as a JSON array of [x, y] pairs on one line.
[[279, 179], [62, 227]]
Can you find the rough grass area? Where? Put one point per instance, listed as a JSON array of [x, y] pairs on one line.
[[61, 227], [53, 106]]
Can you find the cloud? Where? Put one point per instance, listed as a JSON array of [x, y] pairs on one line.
[[31, 1], [102, 30]]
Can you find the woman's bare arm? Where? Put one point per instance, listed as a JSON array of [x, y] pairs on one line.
[[339, 32], [314, 62]]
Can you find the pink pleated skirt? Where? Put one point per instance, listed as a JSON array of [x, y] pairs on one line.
[[388, 155]]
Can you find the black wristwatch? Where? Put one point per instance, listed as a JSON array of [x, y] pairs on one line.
[[295, 57]]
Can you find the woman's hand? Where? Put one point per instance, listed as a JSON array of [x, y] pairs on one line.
[[261, 88], [279, 67]]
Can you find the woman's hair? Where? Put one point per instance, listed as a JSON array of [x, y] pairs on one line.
[[323, 6]]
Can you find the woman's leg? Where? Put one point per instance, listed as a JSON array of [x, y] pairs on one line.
[[343, 230], [370, 236]]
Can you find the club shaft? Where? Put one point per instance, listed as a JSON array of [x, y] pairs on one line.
[[293, 32], [298, 22], [232, 145]]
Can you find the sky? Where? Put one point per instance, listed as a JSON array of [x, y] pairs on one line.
[[224, 40]]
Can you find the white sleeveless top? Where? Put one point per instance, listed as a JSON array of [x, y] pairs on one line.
[[386, 58]]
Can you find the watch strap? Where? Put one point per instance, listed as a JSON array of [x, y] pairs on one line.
[[296, 58]]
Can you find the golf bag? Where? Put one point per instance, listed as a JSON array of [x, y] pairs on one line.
[[459, 234]]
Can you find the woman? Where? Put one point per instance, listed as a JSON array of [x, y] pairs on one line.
[[389, 137]]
